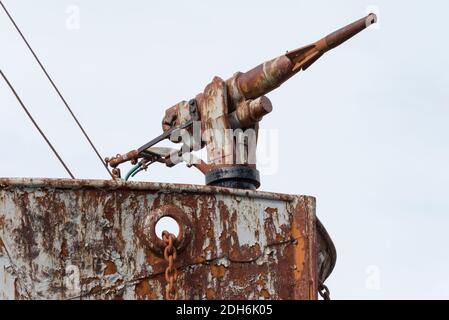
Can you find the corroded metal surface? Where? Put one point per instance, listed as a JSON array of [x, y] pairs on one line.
[[229, 111], [94, 239]]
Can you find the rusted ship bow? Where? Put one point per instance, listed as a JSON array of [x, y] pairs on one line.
[[95, 239]]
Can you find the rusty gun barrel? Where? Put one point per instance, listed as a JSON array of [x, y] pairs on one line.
[[237, 103], [271, 74]]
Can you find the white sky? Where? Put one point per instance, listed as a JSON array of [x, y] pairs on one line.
[[365, 129]]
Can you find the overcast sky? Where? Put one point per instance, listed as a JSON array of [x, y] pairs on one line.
[[365, 129]]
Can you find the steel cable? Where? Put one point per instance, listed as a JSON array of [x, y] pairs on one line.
[[36, 125], [56, 89]]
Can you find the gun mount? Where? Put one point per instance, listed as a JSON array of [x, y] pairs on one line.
[[225, 117]]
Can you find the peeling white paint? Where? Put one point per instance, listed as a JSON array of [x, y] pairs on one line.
[[81, 234], [7, 277]]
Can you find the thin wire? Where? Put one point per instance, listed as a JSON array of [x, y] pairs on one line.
[[56, 89], [36, 125]]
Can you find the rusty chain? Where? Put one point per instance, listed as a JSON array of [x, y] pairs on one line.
[[170, 272], [324, 292]]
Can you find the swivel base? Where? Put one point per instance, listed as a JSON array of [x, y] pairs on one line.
[[240, 177]]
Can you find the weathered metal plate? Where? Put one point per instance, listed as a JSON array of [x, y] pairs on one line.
[[92, 239]]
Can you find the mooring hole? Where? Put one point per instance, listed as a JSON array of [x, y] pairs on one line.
[[167, 223]]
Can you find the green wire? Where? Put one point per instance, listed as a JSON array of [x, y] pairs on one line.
[[130, 172], [135, 172]]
